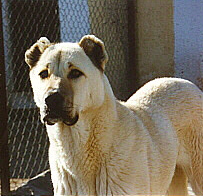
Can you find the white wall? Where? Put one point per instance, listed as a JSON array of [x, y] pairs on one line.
[[155, 39], [188, 24]]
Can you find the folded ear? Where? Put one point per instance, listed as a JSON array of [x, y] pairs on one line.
[[33, 54], [95, 50]]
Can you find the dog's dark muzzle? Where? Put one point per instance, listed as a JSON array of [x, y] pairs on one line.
[[55, 111], [54, 102]]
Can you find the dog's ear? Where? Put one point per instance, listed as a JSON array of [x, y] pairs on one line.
[[95, 50], [33, 54]]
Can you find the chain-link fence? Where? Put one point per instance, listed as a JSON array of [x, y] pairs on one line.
[[24, 22]]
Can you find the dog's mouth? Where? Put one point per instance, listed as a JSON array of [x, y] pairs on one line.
[[52, 117]]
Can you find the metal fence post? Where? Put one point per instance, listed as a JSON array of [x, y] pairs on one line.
[[4, 154], [132, 44]]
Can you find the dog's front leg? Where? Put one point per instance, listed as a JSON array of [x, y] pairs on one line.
[[64, 185], [63, 182]]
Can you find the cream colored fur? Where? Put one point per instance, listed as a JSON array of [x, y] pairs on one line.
[[149, 145]]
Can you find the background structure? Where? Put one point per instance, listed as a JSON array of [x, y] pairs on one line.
[[144, 40]]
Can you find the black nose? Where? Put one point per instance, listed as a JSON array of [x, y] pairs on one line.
[[54, 101]]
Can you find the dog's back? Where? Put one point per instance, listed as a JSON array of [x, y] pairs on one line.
[[180, 102]]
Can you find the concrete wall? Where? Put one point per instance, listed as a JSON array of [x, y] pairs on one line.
[[169, 40], [155, 39]]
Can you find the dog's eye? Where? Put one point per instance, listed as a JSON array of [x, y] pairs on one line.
[[74, 73], [44, 74]]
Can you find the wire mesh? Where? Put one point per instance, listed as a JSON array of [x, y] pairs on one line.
[[24, 22]]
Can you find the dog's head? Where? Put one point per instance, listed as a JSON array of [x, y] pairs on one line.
[[67, 78]]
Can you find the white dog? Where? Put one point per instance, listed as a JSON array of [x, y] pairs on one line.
[[151, 144]]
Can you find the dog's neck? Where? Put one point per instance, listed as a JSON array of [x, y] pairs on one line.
[[84, 144]]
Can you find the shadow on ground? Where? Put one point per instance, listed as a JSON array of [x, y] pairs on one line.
[[39, 185]]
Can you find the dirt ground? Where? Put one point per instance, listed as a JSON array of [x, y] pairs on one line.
[[16, 183]]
